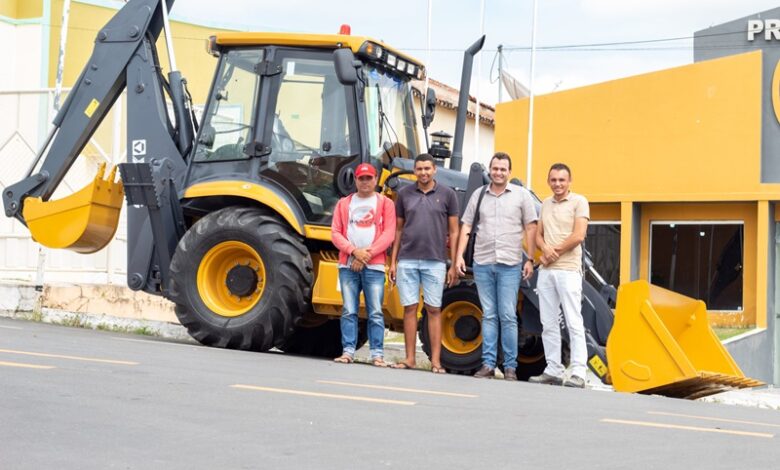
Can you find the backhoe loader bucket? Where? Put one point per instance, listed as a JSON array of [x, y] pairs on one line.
[[662, 344], [83, 222]]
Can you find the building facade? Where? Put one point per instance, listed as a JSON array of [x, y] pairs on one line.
[[682, 169]]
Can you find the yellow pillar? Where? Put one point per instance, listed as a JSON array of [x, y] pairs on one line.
[[626, 241], [762, 258]]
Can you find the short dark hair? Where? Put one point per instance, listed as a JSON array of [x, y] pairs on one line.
[[424, 157], [501, 156], [559, 167]]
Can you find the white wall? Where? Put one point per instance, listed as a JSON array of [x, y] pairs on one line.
[[21, 58]]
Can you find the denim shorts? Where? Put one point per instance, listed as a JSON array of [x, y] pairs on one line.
[[412, 273]]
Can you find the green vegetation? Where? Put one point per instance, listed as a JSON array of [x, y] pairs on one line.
[[393, 337], [136, 330], [725, 333], [75, 321]]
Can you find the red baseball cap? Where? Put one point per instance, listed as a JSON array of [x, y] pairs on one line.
[[364, 169]]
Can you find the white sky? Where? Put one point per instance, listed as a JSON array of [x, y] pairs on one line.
[[456, 24]]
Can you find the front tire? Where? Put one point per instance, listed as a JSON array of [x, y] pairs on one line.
[[241, 279]]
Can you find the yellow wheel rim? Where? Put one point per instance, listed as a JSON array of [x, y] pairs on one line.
[[453, 317], [213, 275]]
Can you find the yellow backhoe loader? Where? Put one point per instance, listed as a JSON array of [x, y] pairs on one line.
[[229, 219]]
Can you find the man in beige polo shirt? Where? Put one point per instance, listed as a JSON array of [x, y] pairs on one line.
[[562, 228]]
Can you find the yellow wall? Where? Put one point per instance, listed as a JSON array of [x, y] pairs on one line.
[[86, 20], [605, 212], [21, 9], [687, 133], [30, 8], [8, 8]]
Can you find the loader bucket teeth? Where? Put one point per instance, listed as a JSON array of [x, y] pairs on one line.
[[83, 222], [662, 344]]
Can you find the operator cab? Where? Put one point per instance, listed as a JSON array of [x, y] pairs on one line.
[[280, 115]]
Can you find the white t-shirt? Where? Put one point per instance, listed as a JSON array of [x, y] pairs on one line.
[[361, 226]]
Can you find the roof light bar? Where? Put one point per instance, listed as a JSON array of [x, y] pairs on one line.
[[377, 53]]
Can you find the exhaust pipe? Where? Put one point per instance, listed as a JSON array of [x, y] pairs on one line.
[[463, 102]]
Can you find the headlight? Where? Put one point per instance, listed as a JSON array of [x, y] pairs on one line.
[[373, 50]]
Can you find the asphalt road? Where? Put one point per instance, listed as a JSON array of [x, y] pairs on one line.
[[82, 399]]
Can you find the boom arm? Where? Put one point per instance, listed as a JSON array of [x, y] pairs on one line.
[[104, 78]]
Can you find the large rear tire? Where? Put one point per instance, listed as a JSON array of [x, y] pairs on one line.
[[461, 318], [241, 279], [461, 351]]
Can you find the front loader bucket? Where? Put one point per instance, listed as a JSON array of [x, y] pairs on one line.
[[661, 343], [83, 222]]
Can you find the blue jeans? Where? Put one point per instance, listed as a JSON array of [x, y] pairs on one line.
[[497, 285], [372, 283]]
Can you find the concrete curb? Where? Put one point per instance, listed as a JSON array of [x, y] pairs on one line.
[[103, 322], [766, 398]]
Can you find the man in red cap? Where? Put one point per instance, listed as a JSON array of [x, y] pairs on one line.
[[363, 229]]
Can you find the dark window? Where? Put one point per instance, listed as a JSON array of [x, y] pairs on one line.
[[703, 261], [603, 244]]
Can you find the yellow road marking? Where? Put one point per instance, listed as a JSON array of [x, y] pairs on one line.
[[725, 420], [398, 389], [27, 366], [323, 395], [687, 428], [73, 358]]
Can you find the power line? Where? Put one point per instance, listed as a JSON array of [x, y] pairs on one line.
[[610, 49], [627, 43], [612, 46]]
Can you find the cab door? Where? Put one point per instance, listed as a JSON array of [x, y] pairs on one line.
[[311, 131]]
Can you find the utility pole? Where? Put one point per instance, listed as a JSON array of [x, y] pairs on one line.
[[477, 105], [530, 150], [39, 272], [500, 67], [428, 60]]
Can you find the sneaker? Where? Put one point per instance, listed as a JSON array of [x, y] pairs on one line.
[[546, 379], [510, 374], [575, 382], [485, 372]]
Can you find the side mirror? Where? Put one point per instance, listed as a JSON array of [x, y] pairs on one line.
[[430, 107], [344, 61]]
